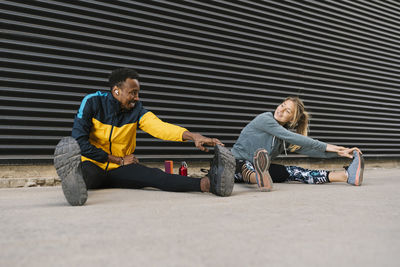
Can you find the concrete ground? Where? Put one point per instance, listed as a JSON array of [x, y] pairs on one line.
[[294, 225]]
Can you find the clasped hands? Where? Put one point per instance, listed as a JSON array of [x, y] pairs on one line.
[[129, 159], [342, 151]]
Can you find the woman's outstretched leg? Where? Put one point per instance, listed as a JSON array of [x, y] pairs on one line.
[[338, 176], [307, 176], [316, 176]]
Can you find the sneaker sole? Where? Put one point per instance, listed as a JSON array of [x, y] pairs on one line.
[[225, 158], [67, 158], [261, 165], [360, 170]]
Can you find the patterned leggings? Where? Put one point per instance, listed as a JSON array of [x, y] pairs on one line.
[[280, 173], [307, 176]]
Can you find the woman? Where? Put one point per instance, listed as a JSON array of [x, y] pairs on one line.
[[270, 134]]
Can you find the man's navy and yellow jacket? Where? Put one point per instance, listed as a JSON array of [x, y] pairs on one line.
[[101, 127]]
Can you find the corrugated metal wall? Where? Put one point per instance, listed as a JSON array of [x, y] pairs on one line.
[[210, 66]]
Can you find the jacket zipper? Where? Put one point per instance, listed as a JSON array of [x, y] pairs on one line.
[[109, 139]]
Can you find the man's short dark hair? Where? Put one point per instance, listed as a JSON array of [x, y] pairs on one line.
[[118, 76]]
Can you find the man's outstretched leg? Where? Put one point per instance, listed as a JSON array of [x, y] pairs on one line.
[[67, 161], [219, 180]]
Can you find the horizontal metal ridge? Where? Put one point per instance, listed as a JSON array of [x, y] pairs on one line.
[[289, 36], [247, 57]]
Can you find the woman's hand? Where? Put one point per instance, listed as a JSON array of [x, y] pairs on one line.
[[342, 151], [348, 152], [334, 148]]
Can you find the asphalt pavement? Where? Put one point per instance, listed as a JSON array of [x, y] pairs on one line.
[[294, 225]]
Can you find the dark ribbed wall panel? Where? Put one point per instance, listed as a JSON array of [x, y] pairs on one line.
[[209, 66]]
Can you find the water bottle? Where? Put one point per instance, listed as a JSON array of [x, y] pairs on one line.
[[183, 169]]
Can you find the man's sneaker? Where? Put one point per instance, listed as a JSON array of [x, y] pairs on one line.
[[261, 165], [356, 169], [67, 161], [222, 172]]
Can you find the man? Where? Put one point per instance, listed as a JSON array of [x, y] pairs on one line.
[[100, 153]]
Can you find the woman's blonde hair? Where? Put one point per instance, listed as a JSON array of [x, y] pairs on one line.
[[300, 120]]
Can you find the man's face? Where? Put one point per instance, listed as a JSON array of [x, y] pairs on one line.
[[284, 112], [127, 93]]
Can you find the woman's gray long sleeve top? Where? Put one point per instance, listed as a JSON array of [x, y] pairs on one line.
[[265, 132]]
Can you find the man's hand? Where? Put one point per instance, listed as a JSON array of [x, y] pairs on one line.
[[130, 159], [200, 140]]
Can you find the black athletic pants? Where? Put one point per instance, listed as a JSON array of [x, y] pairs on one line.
[[136, 176]]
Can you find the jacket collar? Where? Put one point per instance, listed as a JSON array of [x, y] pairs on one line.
[[114, 103], [116, 106]]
